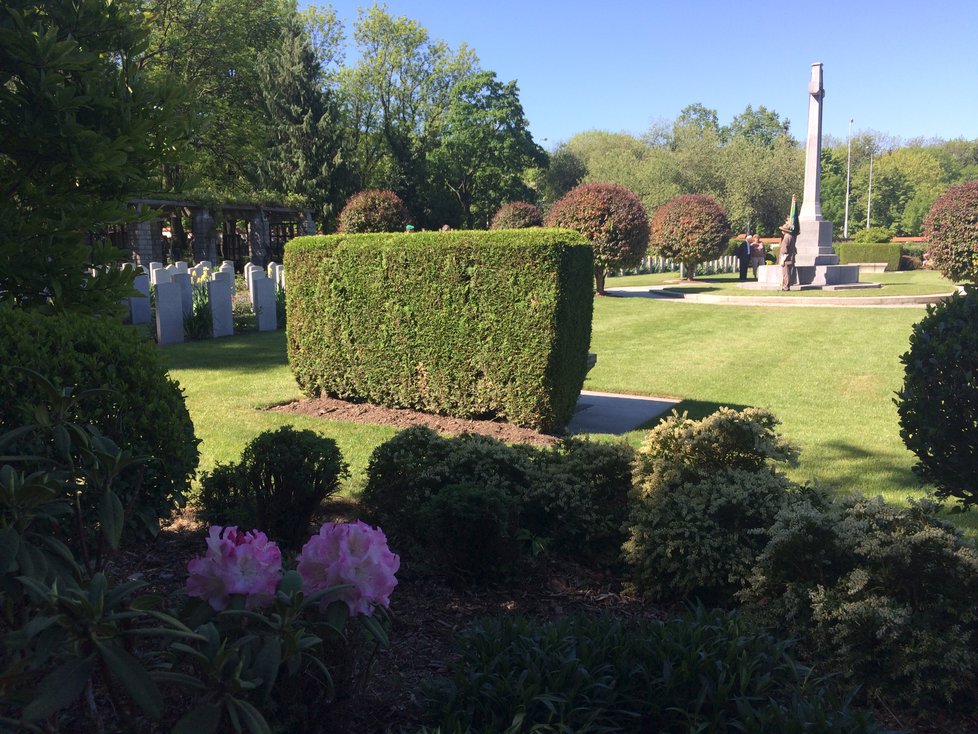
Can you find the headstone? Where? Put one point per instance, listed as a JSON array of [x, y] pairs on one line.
[[181, 266], [186, 291], [139, 310], [253, 274], [169, 313], [160, 275], [219, 291], [263, 304]]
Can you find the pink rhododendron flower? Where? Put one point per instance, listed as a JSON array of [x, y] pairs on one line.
[[235, 563], [350, 553]]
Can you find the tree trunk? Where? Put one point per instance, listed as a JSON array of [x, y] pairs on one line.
[[599, 274]]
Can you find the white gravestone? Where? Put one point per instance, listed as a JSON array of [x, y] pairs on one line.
[[139, 310], [219, 291], [186, 291], [264, 304], [169, 314]]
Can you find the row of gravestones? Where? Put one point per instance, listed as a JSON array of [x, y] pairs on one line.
[[174, 284]]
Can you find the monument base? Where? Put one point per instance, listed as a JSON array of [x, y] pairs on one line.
[[810, 276]]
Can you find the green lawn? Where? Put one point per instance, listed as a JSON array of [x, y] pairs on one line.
[[830, 374], [900, 283]]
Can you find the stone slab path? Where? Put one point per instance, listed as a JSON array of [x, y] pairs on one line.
[[605, 412]]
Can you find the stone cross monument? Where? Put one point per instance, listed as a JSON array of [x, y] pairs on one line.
[[815, 238]]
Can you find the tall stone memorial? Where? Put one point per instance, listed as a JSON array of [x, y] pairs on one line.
[[816, 264]]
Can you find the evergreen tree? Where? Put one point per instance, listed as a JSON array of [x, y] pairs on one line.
[[82, 130], [304, 157]]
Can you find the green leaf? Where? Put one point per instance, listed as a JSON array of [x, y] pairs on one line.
[[59, 688], [9, 543], [252, 717], [131, 674], [204, 719], [376, 630], [111, 516], [267, 663]]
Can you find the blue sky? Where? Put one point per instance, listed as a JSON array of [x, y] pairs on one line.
[[906, 68]]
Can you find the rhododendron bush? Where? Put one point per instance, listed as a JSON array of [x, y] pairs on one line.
[[354, 558], [354, 555]]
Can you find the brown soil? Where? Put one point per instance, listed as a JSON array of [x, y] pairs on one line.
[[340, 410]]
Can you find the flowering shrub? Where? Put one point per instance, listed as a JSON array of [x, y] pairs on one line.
[[235, 563], [612, 218], [352, 554]]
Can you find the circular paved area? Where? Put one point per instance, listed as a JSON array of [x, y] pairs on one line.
[[663, 293]]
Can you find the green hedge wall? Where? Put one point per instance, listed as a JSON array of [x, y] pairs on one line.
[[472, 324], [876, 252]]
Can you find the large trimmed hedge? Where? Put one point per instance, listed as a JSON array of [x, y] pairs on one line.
[[472, 324], [866, 252]]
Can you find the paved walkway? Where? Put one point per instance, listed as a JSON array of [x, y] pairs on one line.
[[663, 293], [605, 412]]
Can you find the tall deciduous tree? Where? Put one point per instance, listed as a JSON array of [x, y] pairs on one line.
[[396, 99], [82, 128], [485, 145], [304, 157]]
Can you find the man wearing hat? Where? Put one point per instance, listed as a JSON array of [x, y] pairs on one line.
[[788, 249]]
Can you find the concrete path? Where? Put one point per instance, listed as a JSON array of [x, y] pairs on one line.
[[605, 412], [664, 294]]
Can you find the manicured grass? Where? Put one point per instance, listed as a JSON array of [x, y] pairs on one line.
[[229, 382], [830, 374], [900, 283]]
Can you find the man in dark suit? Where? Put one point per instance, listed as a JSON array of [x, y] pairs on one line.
[[743, 254]]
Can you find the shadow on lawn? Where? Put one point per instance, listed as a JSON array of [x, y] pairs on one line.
[[259, 352], [696, 409], [845, 468]]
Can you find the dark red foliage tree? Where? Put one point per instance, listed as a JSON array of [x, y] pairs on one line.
[[373, 211], [517, 215], [951, 227], [692, 229], [612, 218]]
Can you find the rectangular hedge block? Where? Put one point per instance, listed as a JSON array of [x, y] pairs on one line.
[[472, 324], [870, 252]]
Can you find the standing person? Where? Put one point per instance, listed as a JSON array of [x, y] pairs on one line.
[[786, 255], [743, 253], [756, 253]]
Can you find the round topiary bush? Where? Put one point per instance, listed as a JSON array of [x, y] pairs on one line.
[[938, 404], [612, 218], [282, 478], [517, 215], [951, 227], [143, 409], [373, 211], [692, 229]]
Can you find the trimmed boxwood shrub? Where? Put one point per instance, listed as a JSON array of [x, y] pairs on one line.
[[373, 211], [708, 671], [517, 215], [938, 404], [876, 252], [571, 497], [472, 324], [143, 409], [282, 478], [883, 594]]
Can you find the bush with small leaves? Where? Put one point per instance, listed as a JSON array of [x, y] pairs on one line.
[[517, 215], [938, 404], [612, 218], [873, 234], [691, 229], [282, 478], [705, 494], [951, 227], [884, 594], [373, 211], [706, 671]]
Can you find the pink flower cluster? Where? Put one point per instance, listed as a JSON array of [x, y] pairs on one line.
[[235, 563], [350, 553]]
